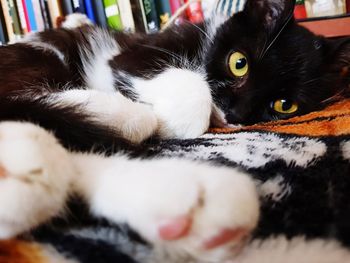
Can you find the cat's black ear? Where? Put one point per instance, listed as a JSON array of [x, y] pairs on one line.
[[271, 14]]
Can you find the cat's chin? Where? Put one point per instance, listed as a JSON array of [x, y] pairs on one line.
[[218, 119]]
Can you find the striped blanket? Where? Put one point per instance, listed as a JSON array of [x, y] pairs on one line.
[[302, 170]]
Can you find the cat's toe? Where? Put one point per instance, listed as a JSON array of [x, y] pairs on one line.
[[34, 177], [226, 212], [138, 123]]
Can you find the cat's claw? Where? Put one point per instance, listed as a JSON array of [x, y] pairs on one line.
[[34, 177]]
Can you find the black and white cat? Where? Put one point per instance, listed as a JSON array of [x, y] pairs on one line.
[[87, 90]]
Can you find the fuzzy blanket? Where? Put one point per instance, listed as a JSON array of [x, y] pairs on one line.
[[302, 170]]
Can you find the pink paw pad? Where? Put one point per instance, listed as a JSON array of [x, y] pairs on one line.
[[2, 172], [225, 236], [176, 228]]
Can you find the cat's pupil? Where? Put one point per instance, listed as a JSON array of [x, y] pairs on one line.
[[286, 104], [241, 63]]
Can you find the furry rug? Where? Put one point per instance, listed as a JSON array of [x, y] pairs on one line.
[[302, 170]]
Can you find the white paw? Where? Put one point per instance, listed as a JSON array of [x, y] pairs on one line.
[[131, 120], [34, 177], [204, 211], [76, 20], [181, 100]]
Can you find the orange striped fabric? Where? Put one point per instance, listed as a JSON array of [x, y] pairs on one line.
[[332, 121]]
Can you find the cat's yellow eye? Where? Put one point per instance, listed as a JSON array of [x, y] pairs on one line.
[[284, 106], [238, 64]]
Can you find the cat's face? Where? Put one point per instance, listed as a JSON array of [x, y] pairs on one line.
[[254, 78]]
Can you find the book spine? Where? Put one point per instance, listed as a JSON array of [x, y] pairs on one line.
[[126, 15], [38, 15], [164, 11], [8, 21], [31, 15], [15, 18], [55, 12], [22, 17], [3, 32], [174, 5], [194, 12], [78, 6], [45, 14], [112, 12], [90, 10], [99, 11], [67, 7], [139, 16], [151, 16], [26, 16]]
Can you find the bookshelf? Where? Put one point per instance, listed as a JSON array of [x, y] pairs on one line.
[[337, 26]]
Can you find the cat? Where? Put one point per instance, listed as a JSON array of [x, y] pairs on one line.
[[66, 93]]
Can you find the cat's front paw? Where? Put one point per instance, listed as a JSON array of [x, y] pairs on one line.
[[203, 211], [35, 174], [181, 100]]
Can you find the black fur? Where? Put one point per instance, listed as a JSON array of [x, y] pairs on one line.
[[286, 61]]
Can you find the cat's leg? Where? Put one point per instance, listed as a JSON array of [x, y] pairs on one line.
[[35, 176], [131, 120], [182, 206], [181, 99]]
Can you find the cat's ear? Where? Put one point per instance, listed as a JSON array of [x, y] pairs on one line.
[[271, 14]]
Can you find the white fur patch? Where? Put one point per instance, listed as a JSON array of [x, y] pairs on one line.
[[36, 173], [346, 150], [141, 193], [181, 100], [133, 121], [34, 41], [97, 72], [76, 20], [254, 149], [274, 188]]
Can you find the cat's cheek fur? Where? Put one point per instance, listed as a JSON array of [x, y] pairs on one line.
[[181, 100], [149, 195], [35, 177]]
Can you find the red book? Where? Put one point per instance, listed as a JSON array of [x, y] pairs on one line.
[[194, 12], [174, 5], [300, 12], [26, 15]]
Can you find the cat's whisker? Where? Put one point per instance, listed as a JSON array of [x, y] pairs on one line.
[[201, 30], [172, 54]]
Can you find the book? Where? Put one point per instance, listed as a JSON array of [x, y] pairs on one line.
[[78, 6], [22, 17], [3, 32], [90, 10], [164, 11], [67, 7], [174, 5], [8, 21], [194, 12], [38, 15], [112, 12], [126, 15], [26, 17], [139, 16], [17, 29], [28, 5], [99, 11], [55, 12], [149, 7], [45, 14]]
